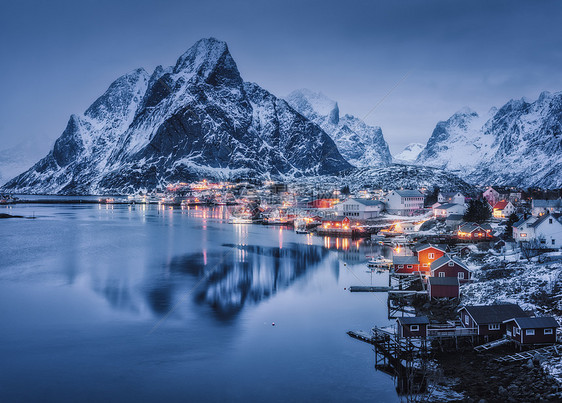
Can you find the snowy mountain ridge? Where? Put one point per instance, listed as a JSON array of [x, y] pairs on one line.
[[519, 144], [195, 119], [360, 144], [409, 154]]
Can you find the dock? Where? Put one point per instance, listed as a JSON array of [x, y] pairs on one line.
[[549, 351], [368, 288]]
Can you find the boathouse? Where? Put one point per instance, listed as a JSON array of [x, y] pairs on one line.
[[443, 287], [413, 327], [489, 319], [448, 266], [405, 264], [526, 330]]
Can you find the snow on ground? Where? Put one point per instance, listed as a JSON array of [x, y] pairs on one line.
[[533, 285]]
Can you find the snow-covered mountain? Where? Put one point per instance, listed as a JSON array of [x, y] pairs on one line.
[[520, 144], [409, 154], [195, 119], [362, 145]]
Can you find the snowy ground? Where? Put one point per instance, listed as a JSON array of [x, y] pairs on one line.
[[532, 285]]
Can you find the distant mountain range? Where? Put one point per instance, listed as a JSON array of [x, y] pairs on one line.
[[199, 119], [519, 144]]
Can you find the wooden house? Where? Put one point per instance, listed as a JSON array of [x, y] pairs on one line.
[[415, 327], [475, 232], [443, 287], [489, 319], [405, 264], [449, 266], [503, 209], [541, 330], [428, 253]]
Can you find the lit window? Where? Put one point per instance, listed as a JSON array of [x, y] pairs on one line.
[[530, 332], [523, 235], [494, 326], [547, 331], [425, 265], [415, 328]]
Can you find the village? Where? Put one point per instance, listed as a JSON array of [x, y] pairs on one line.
[[478, 272]]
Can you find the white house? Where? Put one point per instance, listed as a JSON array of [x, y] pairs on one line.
[[540, 207], [451, 197], [404, 202], [547, 228], [361, 209], [503, 209], [445, 210]]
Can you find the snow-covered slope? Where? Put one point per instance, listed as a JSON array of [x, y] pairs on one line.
[[362, 145], [519, 144], [409, 154], [195, 119]]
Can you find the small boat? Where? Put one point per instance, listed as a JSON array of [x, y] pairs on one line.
[[379, 261], [239, 220], [301, 231]]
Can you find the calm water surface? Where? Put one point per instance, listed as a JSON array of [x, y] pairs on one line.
[[144, 303]]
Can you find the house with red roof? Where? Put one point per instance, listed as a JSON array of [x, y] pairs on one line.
[[503, 209]]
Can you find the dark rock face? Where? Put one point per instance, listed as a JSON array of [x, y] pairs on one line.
[[196, 119]]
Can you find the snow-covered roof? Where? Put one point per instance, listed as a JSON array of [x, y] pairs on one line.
[[447, 206], [444, 281], [422, 246], [405, 260], [409, 193], [501, 205], [445, 259], [455, 217], [547, 203], [415, 320], [368, 202]]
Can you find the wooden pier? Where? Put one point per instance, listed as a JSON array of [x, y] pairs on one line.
[[554, 350]]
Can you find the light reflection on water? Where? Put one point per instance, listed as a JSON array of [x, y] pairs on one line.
[[82, 286]]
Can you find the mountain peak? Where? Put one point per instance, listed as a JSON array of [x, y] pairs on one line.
[[210, 59]]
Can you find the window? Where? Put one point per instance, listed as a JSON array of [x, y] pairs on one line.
[[530, 332], [460, 274], [441, 274], [517, 330], [547, 331], [451, 264], [523, 235], [493, 326], [466, 320], [543, 241], [410, 266], [550, 220], [430, 255], [553, 241], [415, 328], [425, 265]]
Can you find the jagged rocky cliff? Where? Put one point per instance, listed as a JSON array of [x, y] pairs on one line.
[[519, 144], [195, 119], [362, 145]]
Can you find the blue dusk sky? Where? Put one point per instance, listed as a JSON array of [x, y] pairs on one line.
[[59, 56]]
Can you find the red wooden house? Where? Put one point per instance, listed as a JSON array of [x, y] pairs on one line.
[[443, 287], [448, 266], [428, 253], [532, 330], [405, 264], [413, 327], [489, 319]]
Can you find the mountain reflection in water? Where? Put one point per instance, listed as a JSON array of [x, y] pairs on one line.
[[246, 273]]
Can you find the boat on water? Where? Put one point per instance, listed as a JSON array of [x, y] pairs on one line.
[[379, 262], [239, 220], [301, 230]]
